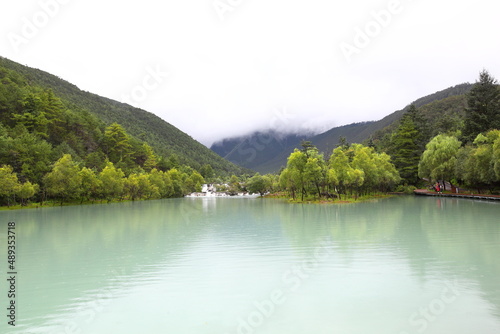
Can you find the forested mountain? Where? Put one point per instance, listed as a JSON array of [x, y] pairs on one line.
[[166, 140], [443, 108]]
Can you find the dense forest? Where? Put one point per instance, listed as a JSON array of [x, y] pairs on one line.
[[53, 149]]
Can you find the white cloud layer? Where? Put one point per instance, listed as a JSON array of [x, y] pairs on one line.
[[227, 67]]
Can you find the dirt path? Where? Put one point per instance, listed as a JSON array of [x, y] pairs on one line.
[[425, 192]]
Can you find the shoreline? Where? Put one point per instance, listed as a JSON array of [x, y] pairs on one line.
[[349, 200], [424, 192], [52, 204], [417, 192]]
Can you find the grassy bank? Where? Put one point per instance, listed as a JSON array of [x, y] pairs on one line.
[[52, 204], [346, 199]]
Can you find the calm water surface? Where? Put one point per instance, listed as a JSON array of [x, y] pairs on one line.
[[222, 265]]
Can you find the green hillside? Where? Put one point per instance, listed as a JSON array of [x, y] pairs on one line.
[[450, 101], [166, 140]]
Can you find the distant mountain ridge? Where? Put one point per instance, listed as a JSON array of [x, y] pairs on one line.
[[165, 138], [266, 157], [255, 149]]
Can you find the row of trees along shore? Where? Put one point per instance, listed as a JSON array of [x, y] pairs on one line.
[[466, 155], [474, 166], [87, 165], [68, 182]]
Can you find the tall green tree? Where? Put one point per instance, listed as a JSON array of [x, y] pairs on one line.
[[10, 96], [26, 191], [483, 155], [387, 174], [483, 112], [139, 186], [151, 160], [172, 162], [307, 147], [405, 150], [207, 172], [30, 156], [148, 190], [194, 182], [476, 163], [365, 160], [421, 125], [33, 116], [177, 178], [314, 172], [112, 182], [117, 142], [496, 157], [64, 181], [90, 184], [286, 182], [95, 160], [272, 182], [342, 171], [9, 184], [439, 158], [308, 169], [56, 115], [257, 184], [379, 173], [296, 165], [463, 171], [234, 185], [163, 182]]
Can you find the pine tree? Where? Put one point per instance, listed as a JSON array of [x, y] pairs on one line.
[[151, 159], [118, 143], [421, 125], [483, 112], [405, 150]]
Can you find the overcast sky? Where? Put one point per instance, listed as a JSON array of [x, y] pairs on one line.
[[227, 67]]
